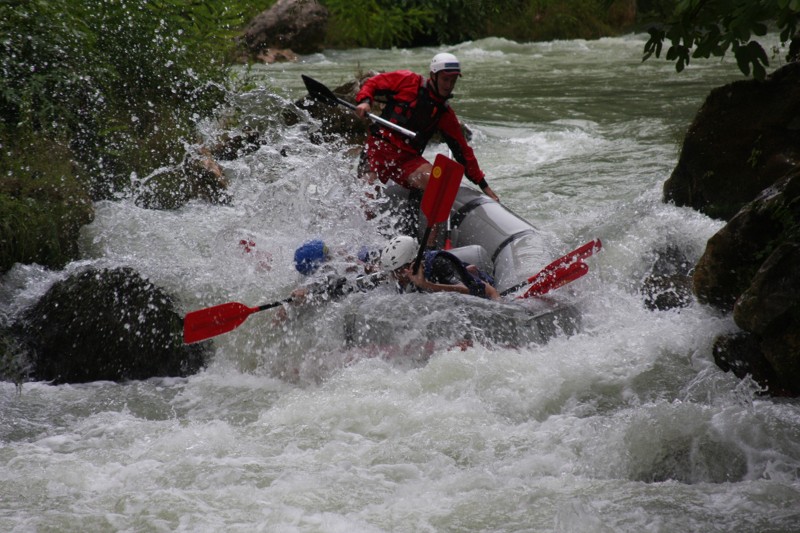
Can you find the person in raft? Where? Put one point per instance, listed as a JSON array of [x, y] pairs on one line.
[[420, 105], [315, 255], [439, 271], [331, 275], [333, 271]]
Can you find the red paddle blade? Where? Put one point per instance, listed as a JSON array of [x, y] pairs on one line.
[[578, 254], [557, 278], [442, 188], [212, 321], [547, 278]]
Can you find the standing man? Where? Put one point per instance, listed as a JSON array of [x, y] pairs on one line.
[[420, 105]]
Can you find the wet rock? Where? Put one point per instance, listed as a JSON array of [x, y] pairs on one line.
[[15, 360], [669, 284], [338, 122], [298, 25], [198, 176], [274, 55], [741, 354], [107, 325], [741, 160], [734, 254], [744, 138], [750, 268]]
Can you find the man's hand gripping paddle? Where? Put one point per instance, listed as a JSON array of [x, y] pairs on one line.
[[320, 92], [439, 195], [558, 273]]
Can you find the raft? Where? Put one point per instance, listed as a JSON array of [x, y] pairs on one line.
[[485, 233]]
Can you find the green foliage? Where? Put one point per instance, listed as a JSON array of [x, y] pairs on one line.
[[42, 208], [108, 77], [701, 29], [461, 20], [544, 20], [91, 93], [376, 23], [386, 23]]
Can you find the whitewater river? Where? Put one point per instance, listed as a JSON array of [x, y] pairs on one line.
[[627, 426]]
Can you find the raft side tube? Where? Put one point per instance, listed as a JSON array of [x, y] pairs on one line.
[[474, 254], [516, 248]]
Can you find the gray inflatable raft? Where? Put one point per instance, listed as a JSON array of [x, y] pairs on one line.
[[489, 235]]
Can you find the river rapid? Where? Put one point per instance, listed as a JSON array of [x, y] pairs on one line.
[[626, 426]]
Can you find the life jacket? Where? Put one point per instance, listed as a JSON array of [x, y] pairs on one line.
[[421, 115], [473, 282]]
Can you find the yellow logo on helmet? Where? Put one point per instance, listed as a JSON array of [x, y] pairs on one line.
[[437, 172]]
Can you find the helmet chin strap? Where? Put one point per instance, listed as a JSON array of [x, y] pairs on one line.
[[435, 79]]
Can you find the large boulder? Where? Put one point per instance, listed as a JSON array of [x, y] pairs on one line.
[[750, 151], [745, 137], [109, 325], [750, 268], [298, 25]]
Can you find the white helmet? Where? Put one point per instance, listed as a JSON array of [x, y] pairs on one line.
[[445, 62], [400, 251]]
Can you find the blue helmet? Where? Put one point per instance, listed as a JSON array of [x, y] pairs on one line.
[[310, 256]]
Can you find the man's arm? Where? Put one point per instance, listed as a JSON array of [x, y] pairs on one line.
[[463, 152]]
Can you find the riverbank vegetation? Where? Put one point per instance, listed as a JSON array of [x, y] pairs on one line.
[[384, 23], [92, 93]]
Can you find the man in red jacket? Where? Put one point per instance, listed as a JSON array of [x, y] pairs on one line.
[[421, 106]]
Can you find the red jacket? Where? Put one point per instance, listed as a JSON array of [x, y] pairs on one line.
[[402, 88]]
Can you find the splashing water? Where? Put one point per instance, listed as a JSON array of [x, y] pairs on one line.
[[625, 426]]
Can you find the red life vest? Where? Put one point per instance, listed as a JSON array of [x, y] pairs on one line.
[[421, 115]]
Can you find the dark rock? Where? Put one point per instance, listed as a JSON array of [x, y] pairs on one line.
[[107, 325], [734, 255], [770, 309], [337, 121], [744, 138], [741, 161], [198, 176], [299, 25], [669, 284], [15, 360], [741, 354]]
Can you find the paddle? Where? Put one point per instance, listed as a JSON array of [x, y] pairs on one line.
[[320, 92], [559, 272], [212, 321], [556, 279], [439, 195]]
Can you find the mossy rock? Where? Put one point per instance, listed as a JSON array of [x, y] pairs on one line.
[[108, 325]]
